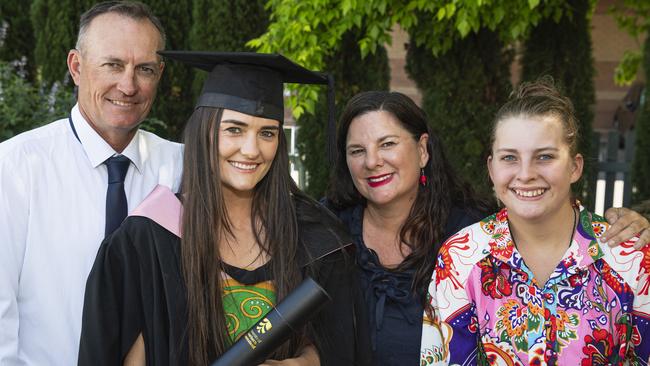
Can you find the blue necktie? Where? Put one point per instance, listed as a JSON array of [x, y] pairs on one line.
[[116, 206]]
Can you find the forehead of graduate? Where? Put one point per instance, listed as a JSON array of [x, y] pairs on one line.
[[247, 82]]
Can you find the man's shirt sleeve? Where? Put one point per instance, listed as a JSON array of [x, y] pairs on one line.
[[14, 213]]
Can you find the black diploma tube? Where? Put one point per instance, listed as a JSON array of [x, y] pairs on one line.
[[276, 327]]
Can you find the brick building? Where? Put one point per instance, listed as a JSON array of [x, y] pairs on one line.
[[609, 43]]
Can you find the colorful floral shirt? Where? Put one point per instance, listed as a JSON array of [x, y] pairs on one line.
[[488, 308]]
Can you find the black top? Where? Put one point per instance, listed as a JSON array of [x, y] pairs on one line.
[[136, 286], [394, 312]]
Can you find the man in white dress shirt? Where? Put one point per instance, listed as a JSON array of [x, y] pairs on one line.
[[53, 183]]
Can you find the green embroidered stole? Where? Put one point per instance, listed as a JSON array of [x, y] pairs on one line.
[[245, 305]]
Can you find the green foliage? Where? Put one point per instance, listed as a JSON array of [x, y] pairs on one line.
[[174, 102], [626, 70], [309, 31], [16, 35], [154, 125], [55, 25], [24, 106], [352, 75], [633, 16], [641, 163], [462, 91], [563, 50], [225, 25]]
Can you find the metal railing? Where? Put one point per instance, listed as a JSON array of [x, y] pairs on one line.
[[615, 155]]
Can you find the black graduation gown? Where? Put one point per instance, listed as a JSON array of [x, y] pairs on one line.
[[136, 286]]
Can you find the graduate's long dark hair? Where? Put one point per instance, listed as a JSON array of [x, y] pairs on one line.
[[424, 229], [205, 220]]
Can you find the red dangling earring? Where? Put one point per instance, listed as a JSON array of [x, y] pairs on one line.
[[423, 178]]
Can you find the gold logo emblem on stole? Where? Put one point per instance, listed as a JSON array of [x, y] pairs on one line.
[[264, 326]]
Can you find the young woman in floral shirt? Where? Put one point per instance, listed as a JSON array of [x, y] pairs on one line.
[[534, 284]]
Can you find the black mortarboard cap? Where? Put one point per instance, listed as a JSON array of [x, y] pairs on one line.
[[252, 83]]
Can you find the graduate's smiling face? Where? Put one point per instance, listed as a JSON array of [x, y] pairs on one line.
[[247, 147]]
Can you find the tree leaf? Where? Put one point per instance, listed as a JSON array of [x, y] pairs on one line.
[[533, 3], [441, 13], [463, 27]]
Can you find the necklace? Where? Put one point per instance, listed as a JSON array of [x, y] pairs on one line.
[[573, 228]]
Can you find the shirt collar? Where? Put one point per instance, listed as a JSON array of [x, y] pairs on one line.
[[590, 229], [96, 148], [500, 245], [583, 250]]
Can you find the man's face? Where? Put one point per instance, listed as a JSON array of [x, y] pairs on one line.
[[117, 71]]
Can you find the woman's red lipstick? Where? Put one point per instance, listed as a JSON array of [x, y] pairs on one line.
[[379, 180]]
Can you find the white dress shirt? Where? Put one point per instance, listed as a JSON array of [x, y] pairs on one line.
[[52, 217]]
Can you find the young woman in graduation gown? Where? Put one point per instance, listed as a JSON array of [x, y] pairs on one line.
[[178, 285]]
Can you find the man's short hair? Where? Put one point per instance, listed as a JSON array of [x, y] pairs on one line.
[[132, 9]]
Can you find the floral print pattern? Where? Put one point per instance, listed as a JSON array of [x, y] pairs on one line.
[[593, 310]]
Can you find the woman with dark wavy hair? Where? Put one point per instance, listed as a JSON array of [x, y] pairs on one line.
[[400, 198], [178, 287]]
